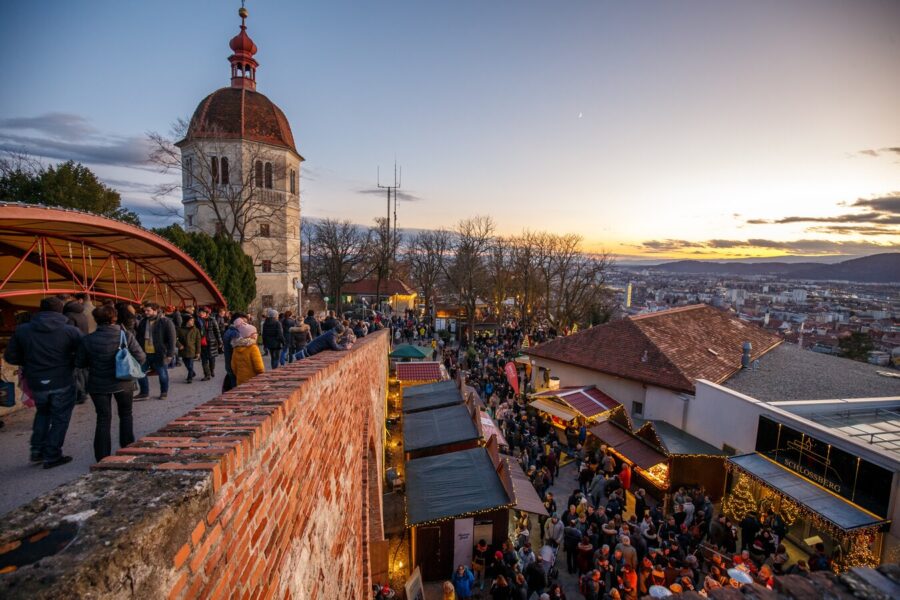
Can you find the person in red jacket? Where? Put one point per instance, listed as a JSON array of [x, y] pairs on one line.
[[625, 477]]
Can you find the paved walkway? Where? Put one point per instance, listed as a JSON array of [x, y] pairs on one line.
[[21, 482]]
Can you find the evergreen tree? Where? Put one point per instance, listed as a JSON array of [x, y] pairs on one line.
[[856, 346], [67, 185], [222, 258], [740, 501]]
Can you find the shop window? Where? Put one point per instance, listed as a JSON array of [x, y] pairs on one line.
[[264, 230], [267, 266], [637, 409]]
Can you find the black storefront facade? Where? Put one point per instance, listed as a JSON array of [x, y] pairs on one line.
[[824, 492]]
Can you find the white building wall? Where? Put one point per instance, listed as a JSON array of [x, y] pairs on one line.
[[718, 415], [658, 403]]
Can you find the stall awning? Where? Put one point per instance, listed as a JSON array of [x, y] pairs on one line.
[[587, 400], [833, 508], [555, 409], [527, 498], [438, 427], [610, 434], [489, 428], [452, 485], [632, 448]]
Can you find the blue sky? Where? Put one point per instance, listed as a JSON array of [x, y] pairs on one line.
[[663, 128]]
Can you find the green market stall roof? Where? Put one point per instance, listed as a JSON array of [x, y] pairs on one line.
[[439, 427], [443, 397], [408, 351], [453, 485]]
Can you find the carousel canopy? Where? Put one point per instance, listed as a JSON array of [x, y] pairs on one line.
[[46, 251]]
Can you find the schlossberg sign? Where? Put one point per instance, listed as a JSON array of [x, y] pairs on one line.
[[810, 474], [835, 469]]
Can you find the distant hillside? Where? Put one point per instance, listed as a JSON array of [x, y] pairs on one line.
[[878, 268]]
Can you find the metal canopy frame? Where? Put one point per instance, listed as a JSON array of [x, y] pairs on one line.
[[46, 251]]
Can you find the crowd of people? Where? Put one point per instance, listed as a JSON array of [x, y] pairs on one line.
[[607, 532], [70, 350]]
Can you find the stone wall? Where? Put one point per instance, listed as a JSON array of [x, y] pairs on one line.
[[272, 490]]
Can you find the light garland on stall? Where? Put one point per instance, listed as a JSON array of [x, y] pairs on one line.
[[860, 554], [459, 516], [859, 540]]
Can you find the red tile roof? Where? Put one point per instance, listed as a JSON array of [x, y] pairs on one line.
[[669, 348], [589, 401], [420, 371], [236, 113], [388, 286]]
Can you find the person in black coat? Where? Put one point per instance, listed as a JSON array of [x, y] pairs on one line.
[[156, 336], [74, 312], [211, 344], [45, 348], [273, 337], [326, 341], [97, 353], [315, 330]]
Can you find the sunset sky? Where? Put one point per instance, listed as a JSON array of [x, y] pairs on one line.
[[664, 129]]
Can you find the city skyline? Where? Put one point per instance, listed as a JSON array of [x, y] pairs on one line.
[[689, 131]]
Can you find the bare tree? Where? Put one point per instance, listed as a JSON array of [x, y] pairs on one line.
[[466, 270], [425, 256], [579, 287], [384, 245], [240, 188], [340, 254], [526, 283], [500, 271]]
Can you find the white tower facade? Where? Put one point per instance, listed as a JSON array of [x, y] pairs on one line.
[[241, 176]]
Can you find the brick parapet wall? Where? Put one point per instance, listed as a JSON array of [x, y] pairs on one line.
[[278, 483]]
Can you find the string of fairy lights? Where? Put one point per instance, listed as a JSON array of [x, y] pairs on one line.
[[742, 501]]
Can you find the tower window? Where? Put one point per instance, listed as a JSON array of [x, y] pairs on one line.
[[293, 181], [224, 167], [214, 169], [263, 230], [267, 266], [268, 301], [190, 220], [189, 170], [258, 173], [220, 228], [268, 176]]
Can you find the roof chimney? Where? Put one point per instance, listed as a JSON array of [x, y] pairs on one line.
[[745, 357]]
